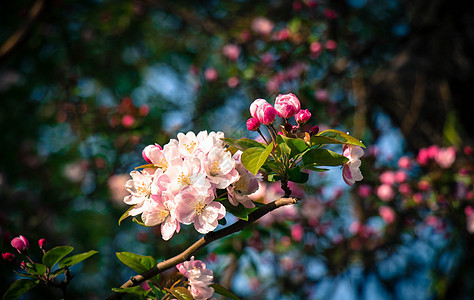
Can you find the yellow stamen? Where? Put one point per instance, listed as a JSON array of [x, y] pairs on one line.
[[198, 207], [184, 179], [215, 168], [190, 147], [162, 214]]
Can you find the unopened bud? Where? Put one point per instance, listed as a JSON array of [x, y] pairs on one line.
[[21, 244], [302, 116], [8, 256], [253, 124], [314, 130], [42, 244]]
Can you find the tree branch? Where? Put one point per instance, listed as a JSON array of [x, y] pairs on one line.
[[20, 35], [204, 241]]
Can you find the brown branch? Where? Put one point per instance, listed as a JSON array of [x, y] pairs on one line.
[[202, 242], [20, 35]]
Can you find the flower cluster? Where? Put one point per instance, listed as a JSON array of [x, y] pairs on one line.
[[199, 278], [180, 183]]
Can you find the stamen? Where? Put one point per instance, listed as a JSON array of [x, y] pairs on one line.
[[215, 168], [198, 207], [184, 179]]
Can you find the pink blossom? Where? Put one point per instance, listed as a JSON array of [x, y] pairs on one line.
[[364, 190], [262, 26], [253, 124], [387, 177], [287, 105], [128, 121], [139, 187], [219, 166], [404, 188], [263, 111], [417, 198], [246, 185], [8, 256], [387, 214], [116, 184], [231, 51], [42, 244], [330, 45], [199, 278], [297, 232], [267, 58], [21, 244], [186, 172], [233, 82], [405, 163], [422, 157], [316, 49], [211, 74], [312, 210], [445, 157], [401, 176], [330, 13], [322, 95], [302, 116], [350, 171], [146, 152], [385, 192], [162, 210], [281, 35], [197, 207]]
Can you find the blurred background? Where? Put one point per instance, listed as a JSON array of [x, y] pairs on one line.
[[86, 85]]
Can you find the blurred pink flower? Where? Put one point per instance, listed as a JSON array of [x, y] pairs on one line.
[[211, 74], [405, 163], [404, 188], [233, 82], [8, 256], [128, 121], [262, 26], [330, 45], [364, 190], [322, 95], [297, 232], [329, 13], [21, 244], [401, 176], [385, 192], [116, 184], [315, 48], [231, 51], [387, 177], [469, 212], [445, 157], [387, 214], [267, 58], [417, 197]]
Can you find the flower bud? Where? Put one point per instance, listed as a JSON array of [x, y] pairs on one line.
[[21, 244], [8, 256], [253, 124], [302, 116], [42, 244], [146, 152], [255, 105], [266, 114], [287, 105], [314, 130]]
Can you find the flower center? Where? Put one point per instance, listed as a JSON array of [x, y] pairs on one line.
[[198, 207], [190, 147], [215, 168], [184, 179], [162, 215], [143, 190], [163, 164]]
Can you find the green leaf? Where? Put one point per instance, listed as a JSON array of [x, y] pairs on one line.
[[243, 143], [332, 136], [239, 211], [36, 269], [297, 176], [138, 263], [135, 290], [219, 289], [75, 259], [156, 290], [26, 275], [181, 293], [323, 157], [125, 214], [314, 168], [291, 146], [18, 288], [54, 255], [254, 158], [274, 177]]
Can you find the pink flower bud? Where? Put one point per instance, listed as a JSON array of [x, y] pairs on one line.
[[405, 162], [8, 256], [266, 114], [387, 214], [21, 244], [231, 51], [255, 105], [314, 130], [302, 116], [128, 121], [42, 244], [387, 177], [287, 105], [146, 152], [211, 74], [445, 157], [364, 190], [330, 44], [253, 124]]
